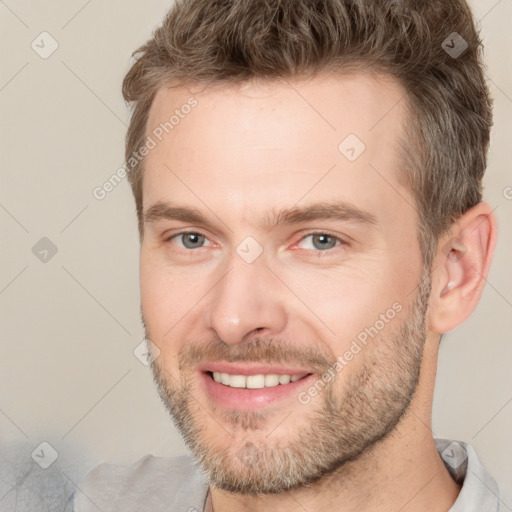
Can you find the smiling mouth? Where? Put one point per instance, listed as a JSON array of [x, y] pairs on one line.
[[254, 381]]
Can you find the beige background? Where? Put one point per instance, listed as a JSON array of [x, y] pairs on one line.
[[70, 325]]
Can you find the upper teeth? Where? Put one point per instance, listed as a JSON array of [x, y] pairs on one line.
[[254, 381]]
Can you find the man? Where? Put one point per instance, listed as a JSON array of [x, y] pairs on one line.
[[307, 177]]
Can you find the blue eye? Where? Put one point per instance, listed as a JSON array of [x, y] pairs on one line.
[[190, 239], [322, 242]]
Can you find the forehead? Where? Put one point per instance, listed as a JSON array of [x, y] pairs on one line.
[[360, 101], [278, 140]]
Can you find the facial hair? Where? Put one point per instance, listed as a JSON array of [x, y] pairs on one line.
[[344, 423]]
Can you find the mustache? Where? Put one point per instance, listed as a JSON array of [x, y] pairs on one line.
[[258, 350]]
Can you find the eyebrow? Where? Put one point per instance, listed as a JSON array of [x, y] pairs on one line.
[[338, 211]]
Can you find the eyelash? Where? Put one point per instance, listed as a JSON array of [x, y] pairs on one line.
[[316, 252]]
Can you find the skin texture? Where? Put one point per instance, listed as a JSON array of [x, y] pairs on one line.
[[245, 152]]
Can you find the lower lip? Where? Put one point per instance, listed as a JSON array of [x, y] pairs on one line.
[[243, 398]]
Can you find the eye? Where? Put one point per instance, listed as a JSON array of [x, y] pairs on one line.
[[322, 242], [189, 239]]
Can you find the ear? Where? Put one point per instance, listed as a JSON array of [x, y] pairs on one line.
[[460, 268]]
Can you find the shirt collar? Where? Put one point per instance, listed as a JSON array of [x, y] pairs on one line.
[[479, 490]]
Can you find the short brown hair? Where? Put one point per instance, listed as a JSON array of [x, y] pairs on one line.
[[232, 41]]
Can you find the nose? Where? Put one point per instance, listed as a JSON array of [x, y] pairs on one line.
[[247, 299]]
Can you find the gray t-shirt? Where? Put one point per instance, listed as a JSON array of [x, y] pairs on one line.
[[158, 484]]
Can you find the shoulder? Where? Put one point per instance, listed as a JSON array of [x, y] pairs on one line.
[[31, 480], [151, 484]]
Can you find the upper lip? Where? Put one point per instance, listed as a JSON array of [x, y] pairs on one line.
[[251, 369]]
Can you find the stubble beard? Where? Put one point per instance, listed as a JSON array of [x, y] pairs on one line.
[[343, 424]]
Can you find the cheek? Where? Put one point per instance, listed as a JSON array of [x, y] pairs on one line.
[[159, 299], [161, 310], [169, 299], [153, 298], [347, 300]]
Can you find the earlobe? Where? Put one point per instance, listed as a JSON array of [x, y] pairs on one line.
[[461, 267]]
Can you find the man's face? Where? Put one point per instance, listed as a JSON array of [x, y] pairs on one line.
[[253, 291]]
